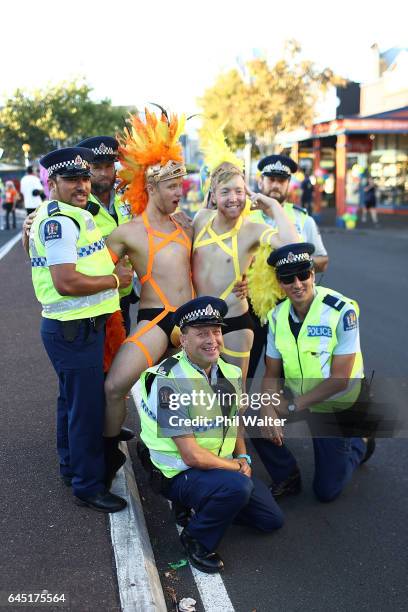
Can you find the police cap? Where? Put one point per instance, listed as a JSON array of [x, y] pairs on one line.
[[204, 310], [292, 258], [68, 162], [104, 148], [277, 165]]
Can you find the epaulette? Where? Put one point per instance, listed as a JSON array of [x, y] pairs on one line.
[[53, 208], [300, 209], [164, 369], [167, 365], [93, 208], [334, 302]]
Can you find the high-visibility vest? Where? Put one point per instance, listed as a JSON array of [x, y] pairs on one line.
[[93, 260], [107, 223], [307, 359], [213, 436], [104, 219], [296, 214]]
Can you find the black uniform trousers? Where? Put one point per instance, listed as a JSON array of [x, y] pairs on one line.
[[220, 498], [81, 402]]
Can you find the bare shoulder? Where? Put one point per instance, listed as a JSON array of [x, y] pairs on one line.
[[201, 217], [127, 235]]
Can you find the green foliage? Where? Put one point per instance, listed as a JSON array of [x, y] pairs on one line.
[[267, 99], [57, 116]]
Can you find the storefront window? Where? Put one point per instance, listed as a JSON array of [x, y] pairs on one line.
[[388, 165]]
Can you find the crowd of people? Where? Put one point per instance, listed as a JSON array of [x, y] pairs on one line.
[[196, 331]]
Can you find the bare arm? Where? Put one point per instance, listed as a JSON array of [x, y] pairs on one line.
[[195, 456], [116, 241], [25, 237], [320, 263], [286, 233], [68, 281], [340, 372]]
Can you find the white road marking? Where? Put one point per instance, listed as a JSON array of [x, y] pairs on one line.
[[9, 245], [212, 590], [211, 587], [139, 583]]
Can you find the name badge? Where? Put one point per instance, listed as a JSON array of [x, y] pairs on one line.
[[319, 330]]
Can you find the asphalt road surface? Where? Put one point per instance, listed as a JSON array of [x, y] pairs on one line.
[[348, 555]]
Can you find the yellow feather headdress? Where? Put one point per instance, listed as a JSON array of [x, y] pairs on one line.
[[217, 153], [149, 150], [215, 148]]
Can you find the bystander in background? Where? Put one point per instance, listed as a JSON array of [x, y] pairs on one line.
[[370, 202], [9, 204]]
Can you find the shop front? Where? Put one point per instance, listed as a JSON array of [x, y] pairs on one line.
[[344, 152]]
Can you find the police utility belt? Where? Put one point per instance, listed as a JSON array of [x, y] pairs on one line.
[[70, 329]]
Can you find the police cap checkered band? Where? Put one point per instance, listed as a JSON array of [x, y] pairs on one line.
[[101, 146], [292, 258], [70, 161], [281, 165], [201, 311], [70, 164], [276, 167]]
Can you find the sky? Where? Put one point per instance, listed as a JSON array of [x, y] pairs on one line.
[[171, 51]]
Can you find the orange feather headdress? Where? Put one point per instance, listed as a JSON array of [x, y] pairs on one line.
[[149, 151]]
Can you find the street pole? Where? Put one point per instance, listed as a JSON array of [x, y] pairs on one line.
[[26, 150]]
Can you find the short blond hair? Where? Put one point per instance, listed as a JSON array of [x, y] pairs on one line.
[[223, 173]]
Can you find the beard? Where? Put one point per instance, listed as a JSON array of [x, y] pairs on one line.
[[99, 188]]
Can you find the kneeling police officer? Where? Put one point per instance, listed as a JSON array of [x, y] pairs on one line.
[[197, 449], [314, 338]]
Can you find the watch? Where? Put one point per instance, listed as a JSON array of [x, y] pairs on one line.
[[247, 457], [291, 407]]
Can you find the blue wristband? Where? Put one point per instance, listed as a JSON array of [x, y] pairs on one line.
[[247, 457]]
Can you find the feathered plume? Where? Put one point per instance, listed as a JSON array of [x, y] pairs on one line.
[[215, 148], [263, 287], [144, 144]]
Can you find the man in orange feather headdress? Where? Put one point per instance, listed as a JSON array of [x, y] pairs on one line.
[[158, 248]]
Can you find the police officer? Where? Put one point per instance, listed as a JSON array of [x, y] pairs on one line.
[[105, 204], [276, 172], [77, 285], [197, 450], [313, 335]]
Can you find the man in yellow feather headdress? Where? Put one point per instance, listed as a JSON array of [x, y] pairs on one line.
[[225, 241]]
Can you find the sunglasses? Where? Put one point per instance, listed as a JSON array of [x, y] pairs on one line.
[[288, 279]]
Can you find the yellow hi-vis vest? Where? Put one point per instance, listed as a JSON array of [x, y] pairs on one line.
[[296, 214], [93, 260], [104, 219], [106, 223], [307, 360], [215, 437]]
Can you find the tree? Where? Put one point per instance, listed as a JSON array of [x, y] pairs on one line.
[[267, 99], [60, 115]]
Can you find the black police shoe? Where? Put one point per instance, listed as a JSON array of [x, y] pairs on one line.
[[126, 434], [199, 557], [370, 448], [291, 486], [102, 502], [67, 480], [182, 514]]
